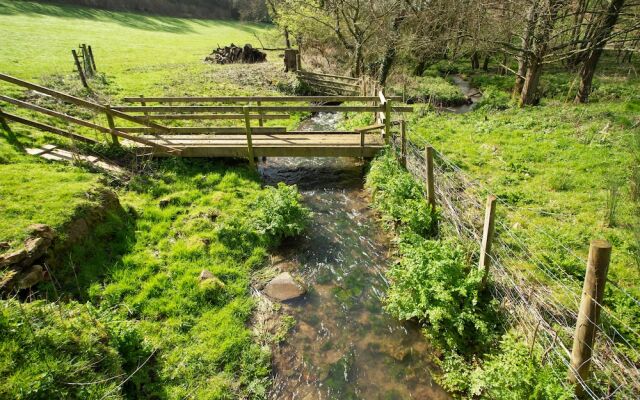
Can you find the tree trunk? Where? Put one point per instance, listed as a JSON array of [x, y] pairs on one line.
[[485, 64], [588, 67], [390, 52], [357, 63], [475, 60], [287, 41], [527, 38], [530, 93]]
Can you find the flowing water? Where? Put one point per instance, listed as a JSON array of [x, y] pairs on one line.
[[344, 346], [471, 93]]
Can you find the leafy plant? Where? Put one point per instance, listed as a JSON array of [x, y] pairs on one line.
[[433, 284], [280, 212], [398, 197], [71, 351]]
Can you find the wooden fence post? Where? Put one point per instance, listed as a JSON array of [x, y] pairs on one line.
[[487, 238], [589, 313], [79, 68], [247, 124], [93, 60], [143, 104], [112, 125], [260, 122], [431, 187], [403, 143], [86, 60], [298, 61]]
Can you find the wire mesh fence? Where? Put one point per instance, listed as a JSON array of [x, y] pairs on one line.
[[539, 296]]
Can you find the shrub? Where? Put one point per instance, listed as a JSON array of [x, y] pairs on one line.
[[513, 373], [443, 67], [280, 213], [433, 284], [494, 98], [398, 197], [436, 90]]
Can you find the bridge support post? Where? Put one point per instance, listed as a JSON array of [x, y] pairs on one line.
[[112, 125], [247, 124], [260, 122]]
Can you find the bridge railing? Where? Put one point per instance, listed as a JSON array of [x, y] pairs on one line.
[[82, 103], [149, 117]]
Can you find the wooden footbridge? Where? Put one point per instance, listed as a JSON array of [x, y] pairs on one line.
[[207, 126]]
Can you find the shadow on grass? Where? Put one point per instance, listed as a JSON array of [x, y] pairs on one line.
[[129, 19]]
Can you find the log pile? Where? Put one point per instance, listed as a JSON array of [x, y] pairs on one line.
[[234, 54]]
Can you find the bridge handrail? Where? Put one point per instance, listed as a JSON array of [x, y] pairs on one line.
[[82, 103], [264, 99]]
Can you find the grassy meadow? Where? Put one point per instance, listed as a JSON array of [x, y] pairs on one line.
[[142, 53]]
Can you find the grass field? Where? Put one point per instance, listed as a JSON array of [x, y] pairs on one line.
[[140, 52]]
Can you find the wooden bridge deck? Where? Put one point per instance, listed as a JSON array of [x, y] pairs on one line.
[[303, 144]]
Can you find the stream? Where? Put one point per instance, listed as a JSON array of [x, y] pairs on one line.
[[344, 345]]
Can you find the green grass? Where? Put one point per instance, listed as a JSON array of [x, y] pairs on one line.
[[139, 51], [435, 90], [40, 193]]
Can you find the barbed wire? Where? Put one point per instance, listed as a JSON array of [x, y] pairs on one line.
[[536, 290]]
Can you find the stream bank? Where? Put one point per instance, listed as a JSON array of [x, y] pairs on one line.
[[343, 345]]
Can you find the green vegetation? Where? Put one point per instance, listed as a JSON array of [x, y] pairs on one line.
[[142, 53], [155, 302], [399, 197], [564, 172], [434, 90], [435, 284], [69, 350], [34, 192]]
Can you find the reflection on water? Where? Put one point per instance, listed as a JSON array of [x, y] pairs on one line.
[[344, 345]]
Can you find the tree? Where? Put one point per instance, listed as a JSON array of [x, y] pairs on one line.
[[595, 46]]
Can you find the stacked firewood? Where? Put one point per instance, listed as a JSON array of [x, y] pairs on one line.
[[234, 54]]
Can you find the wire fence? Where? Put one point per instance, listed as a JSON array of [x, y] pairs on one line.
[[538, 294]]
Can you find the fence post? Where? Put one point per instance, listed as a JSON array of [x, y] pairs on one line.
[[589, 313], [260, 122], [93, 60], [79, 68], [298, 60], [403, 143], [112, 125], [431, 187], [487, 238], [247, 124], [86, 60], [143, 104]]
